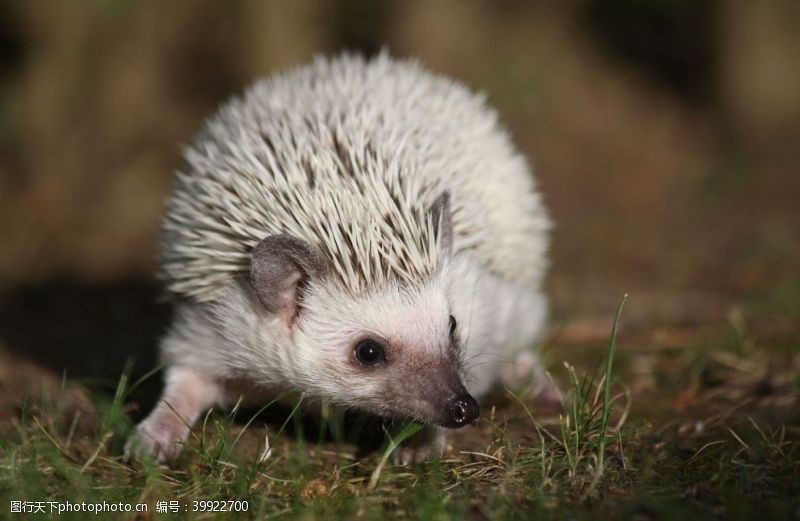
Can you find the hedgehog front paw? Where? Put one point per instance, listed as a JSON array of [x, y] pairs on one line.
[[427, 444], [527, 375], [156, 441]]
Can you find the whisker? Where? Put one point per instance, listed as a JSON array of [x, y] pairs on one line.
[[496, 356], [485, 362]]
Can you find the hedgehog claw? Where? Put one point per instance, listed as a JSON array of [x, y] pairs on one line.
[[149, 442]]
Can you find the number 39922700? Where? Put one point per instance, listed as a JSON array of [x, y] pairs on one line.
[[220, 506]]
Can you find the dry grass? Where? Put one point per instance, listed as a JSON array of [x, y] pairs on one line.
[[718, 436]]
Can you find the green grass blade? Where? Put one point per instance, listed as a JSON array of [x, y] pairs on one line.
[[408, 431], [612, 347]]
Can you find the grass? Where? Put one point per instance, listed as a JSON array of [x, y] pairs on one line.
[[709, 440]]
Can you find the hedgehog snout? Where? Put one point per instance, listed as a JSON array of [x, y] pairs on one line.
[[461, 411]]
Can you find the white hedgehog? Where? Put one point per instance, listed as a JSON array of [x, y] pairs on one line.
[[361, 231]]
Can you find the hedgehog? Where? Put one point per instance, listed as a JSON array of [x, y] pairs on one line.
[[359, 230]]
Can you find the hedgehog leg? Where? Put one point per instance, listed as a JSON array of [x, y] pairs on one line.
[[528, 369], [424, 445], [187, 395], [525, 371]]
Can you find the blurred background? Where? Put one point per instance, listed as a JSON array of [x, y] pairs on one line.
[[665, 136]]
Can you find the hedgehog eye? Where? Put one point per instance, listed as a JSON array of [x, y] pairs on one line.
[[369, 353], [453, 326]]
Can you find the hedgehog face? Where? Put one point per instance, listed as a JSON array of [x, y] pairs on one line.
[[392, 350], [395, 351]]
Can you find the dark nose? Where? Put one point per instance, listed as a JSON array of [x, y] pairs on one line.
[[461, 410]]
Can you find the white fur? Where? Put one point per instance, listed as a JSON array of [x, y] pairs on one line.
[[233, 339]]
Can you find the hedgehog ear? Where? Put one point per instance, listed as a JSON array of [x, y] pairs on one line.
[[279, 265], [440, 211]]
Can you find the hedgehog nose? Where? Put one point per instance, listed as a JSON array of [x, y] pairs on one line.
[[462, 410]]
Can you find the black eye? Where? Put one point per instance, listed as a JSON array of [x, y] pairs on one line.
[[453, 326], [369, 353]]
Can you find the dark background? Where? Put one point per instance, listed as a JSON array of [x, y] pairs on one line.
[[665, 136]]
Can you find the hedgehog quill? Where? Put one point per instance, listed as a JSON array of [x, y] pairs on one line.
[[360, 230]]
